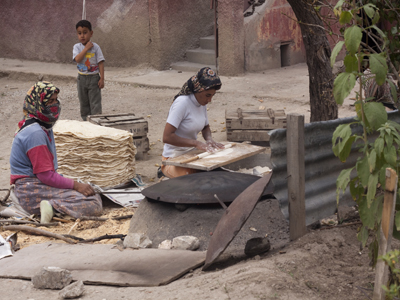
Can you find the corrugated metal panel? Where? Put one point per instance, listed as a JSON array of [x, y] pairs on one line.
[[321, 167]]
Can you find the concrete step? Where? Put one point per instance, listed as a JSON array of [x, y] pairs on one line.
[[186, 66], [201, 56], [207, 42]]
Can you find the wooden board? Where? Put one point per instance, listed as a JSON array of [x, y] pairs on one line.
[[208, 163], [247, 135], [103, 264]]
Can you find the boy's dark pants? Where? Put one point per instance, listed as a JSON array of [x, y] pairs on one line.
[[89, 95]]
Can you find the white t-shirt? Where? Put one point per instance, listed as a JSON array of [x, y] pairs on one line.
[[189, 118], [90, 63]]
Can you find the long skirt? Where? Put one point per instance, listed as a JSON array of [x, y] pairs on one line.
[[174, 171], [31, 191]]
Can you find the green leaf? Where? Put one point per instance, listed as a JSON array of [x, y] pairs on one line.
[[336, 50], [372, 184], [389, 140], [339, 4], [346, 149], [344, 179], [363, 173], [375, 114], [392, 89], [379, 67], [370, 10], [375, 19], [352, 38], [345, 17], [355, 190], [368, 214], [390, 156], [393, 30], [351, 63], [378, 145], [341, 133], [372, 160], [397, 220], [381, 33], [342, 86], [363, 236], [342, 182]]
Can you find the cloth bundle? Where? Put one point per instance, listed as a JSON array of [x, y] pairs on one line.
[[101, 155]]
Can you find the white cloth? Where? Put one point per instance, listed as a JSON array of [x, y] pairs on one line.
[[90, 63], [189, 118]]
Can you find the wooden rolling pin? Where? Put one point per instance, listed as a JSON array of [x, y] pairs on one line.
[[204, 154]]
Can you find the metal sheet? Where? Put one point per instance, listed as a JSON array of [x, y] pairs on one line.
[[233, 219], [200, 188], [322, 167]]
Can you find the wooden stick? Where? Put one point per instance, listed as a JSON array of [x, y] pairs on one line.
[[38, 232], [386, 232], [104, 237], [122, 217], [93, 219], [62, 220], [30, 223], [73, 226]]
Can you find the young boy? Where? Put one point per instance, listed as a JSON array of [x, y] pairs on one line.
[[90, 62]]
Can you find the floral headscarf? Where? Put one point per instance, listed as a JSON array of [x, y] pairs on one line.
[[35, 104], [205, 79]]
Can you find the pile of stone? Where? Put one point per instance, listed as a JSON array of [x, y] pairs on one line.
[[100, 155]]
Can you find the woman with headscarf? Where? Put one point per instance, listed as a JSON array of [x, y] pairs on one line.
[[33, 162], [187, 117]]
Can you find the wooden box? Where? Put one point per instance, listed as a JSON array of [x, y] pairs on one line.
[[253, 125], [138, 126]]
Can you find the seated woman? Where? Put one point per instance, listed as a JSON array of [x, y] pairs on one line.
[[187, 117], [33, 162]]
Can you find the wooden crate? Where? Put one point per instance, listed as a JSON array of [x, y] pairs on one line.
[[253, 125], [138, 126]]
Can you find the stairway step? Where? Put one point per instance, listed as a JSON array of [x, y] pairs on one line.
[[186, 66], [208, 42], [201, 56]]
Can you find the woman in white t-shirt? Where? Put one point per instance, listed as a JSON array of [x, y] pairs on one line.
[[186, 118]]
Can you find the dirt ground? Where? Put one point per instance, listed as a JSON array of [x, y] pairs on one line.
[[324, 264]]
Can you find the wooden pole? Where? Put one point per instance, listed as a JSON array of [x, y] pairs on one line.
[[386, 232], [296, 175]]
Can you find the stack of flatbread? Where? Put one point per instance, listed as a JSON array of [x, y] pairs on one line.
[[101, 155]]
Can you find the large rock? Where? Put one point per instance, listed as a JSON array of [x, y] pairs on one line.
[[257, 246], [73, 290], [137, 240], [52, 278], [185, 243]]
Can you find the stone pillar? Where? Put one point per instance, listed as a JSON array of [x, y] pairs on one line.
[[230, 37]]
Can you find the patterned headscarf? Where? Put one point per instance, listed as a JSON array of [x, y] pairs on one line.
[[35, 105], [205, 79]]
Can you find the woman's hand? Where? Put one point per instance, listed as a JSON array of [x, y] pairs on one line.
[[213, 146], [84, 188]]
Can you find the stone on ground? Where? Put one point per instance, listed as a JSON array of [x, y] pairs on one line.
[[167, 244], [52, 278], [257, 246], [137, 240], [74, 290], [185, 243]]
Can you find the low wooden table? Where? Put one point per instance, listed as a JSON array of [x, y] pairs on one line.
[[219, 159]]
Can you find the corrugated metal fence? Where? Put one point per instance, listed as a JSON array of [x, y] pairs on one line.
[[322, 168]]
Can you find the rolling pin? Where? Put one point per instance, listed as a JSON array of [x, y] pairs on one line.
[[204, 154]]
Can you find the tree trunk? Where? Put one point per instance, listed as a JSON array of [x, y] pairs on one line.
[[318, 53]]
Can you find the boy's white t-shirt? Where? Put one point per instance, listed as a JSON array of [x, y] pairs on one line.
[[189, 118], [90, 63]]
